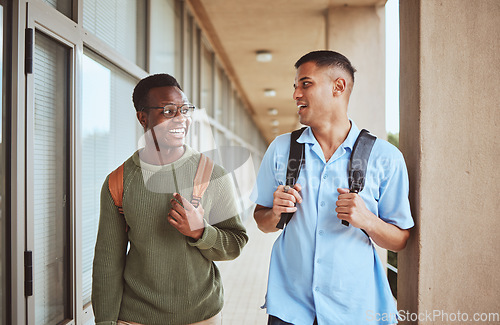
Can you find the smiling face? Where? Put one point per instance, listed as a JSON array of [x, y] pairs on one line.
[[170, 133], [319, 94]]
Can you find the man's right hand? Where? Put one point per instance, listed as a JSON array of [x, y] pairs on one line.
[[268, 218]]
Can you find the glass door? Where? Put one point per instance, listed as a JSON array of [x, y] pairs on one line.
[[50, 158], [49, 217]]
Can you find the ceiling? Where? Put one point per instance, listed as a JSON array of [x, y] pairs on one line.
[[288, 29]]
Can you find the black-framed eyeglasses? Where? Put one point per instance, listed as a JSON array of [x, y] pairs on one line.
[[170, 110]]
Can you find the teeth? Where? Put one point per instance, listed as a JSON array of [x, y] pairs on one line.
[[302, 106], [176, 131]]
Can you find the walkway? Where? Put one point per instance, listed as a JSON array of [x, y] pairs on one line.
[[245, 279]]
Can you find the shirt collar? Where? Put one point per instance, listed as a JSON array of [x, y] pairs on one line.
[[308, 137]]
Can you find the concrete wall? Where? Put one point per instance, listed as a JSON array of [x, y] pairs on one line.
[[359, 34], [450, 115]]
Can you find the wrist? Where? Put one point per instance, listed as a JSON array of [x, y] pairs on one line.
[[197, 234]]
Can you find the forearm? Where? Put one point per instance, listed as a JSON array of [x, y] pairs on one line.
[[386, 235], [265, 218]]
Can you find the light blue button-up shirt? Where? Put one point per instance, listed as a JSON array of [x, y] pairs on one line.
[[319, 267]]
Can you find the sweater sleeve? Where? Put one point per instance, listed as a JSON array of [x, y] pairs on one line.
[[223, 241], [224, 236], [109, 261]]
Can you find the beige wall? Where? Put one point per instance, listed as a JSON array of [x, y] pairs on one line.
[[450, 114], [359, 34]]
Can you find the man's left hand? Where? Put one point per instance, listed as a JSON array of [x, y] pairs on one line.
[[187, 219], [352, 208]]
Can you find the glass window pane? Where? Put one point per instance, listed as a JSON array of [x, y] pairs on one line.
[[196, 42], [165, 50], [109, 136], [119, 23], [188, 59], [218, 93], [207, 81], [51, 182], [63, 6]]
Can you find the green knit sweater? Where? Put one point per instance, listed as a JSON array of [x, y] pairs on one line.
[[165, 277]]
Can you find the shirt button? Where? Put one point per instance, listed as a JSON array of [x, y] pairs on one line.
[[325, 176], [319, 261], [322, 203], [321, 232], [316, 289]]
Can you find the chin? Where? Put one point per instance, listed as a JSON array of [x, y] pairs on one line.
[[304, 121]]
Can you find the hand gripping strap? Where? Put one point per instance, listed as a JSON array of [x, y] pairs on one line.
[[295, 161], [115, 184], [201, 179]]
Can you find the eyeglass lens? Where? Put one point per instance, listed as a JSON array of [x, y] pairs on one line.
[[171, 110]]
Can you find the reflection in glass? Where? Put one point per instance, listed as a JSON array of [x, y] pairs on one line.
[[51, 182]]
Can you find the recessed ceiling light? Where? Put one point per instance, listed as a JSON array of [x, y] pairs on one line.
[[269, 92], [263, 56], [272, 111], [275, 122]]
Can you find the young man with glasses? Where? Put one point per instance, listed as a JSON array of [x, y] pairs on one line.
[[322, 271], [167, 276]]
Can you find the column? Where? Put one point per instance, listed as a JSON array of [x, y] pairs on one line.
[[450, 115]]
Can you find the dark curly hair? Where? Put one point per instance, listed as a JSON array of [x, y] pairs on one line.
[[141, 90], [326, 58]]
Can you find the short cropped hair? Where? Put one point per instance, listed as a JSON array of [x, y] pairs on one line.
[[141, 90], [325, 58]]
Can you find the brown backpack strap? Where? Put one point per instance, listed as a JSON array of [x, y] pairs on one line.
[[201, 179], [115, 184]]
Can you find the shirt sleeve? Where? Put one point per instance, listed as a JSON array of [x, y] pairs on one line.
[[394, 205], [109, 261]]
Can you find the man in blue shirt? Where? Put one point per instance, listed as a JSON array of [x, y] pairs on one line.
[[321, 271]]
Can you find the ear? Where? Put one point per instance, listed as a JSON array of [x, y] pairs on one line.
[[339, 86], [142, 117]]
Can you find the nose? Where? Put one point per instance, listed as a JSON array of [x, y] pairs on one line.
[[179, 117], [297, 93]]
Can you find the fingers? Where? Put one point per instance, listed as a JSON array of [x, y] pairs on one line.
[[343, 190], [178, 217], [344, 194], [289, 193], [185, 203]]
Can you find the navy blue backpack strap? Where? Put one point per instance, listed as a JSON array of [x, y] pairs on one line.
[[359, 161], [296, 159]]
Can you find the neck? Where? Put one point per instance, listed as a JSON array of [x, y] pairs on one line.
[[330, 136], [164, 156]]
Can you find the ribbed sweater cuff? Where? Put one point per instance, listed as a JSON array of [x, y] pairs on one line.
[[107, 322], [208, 238]]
